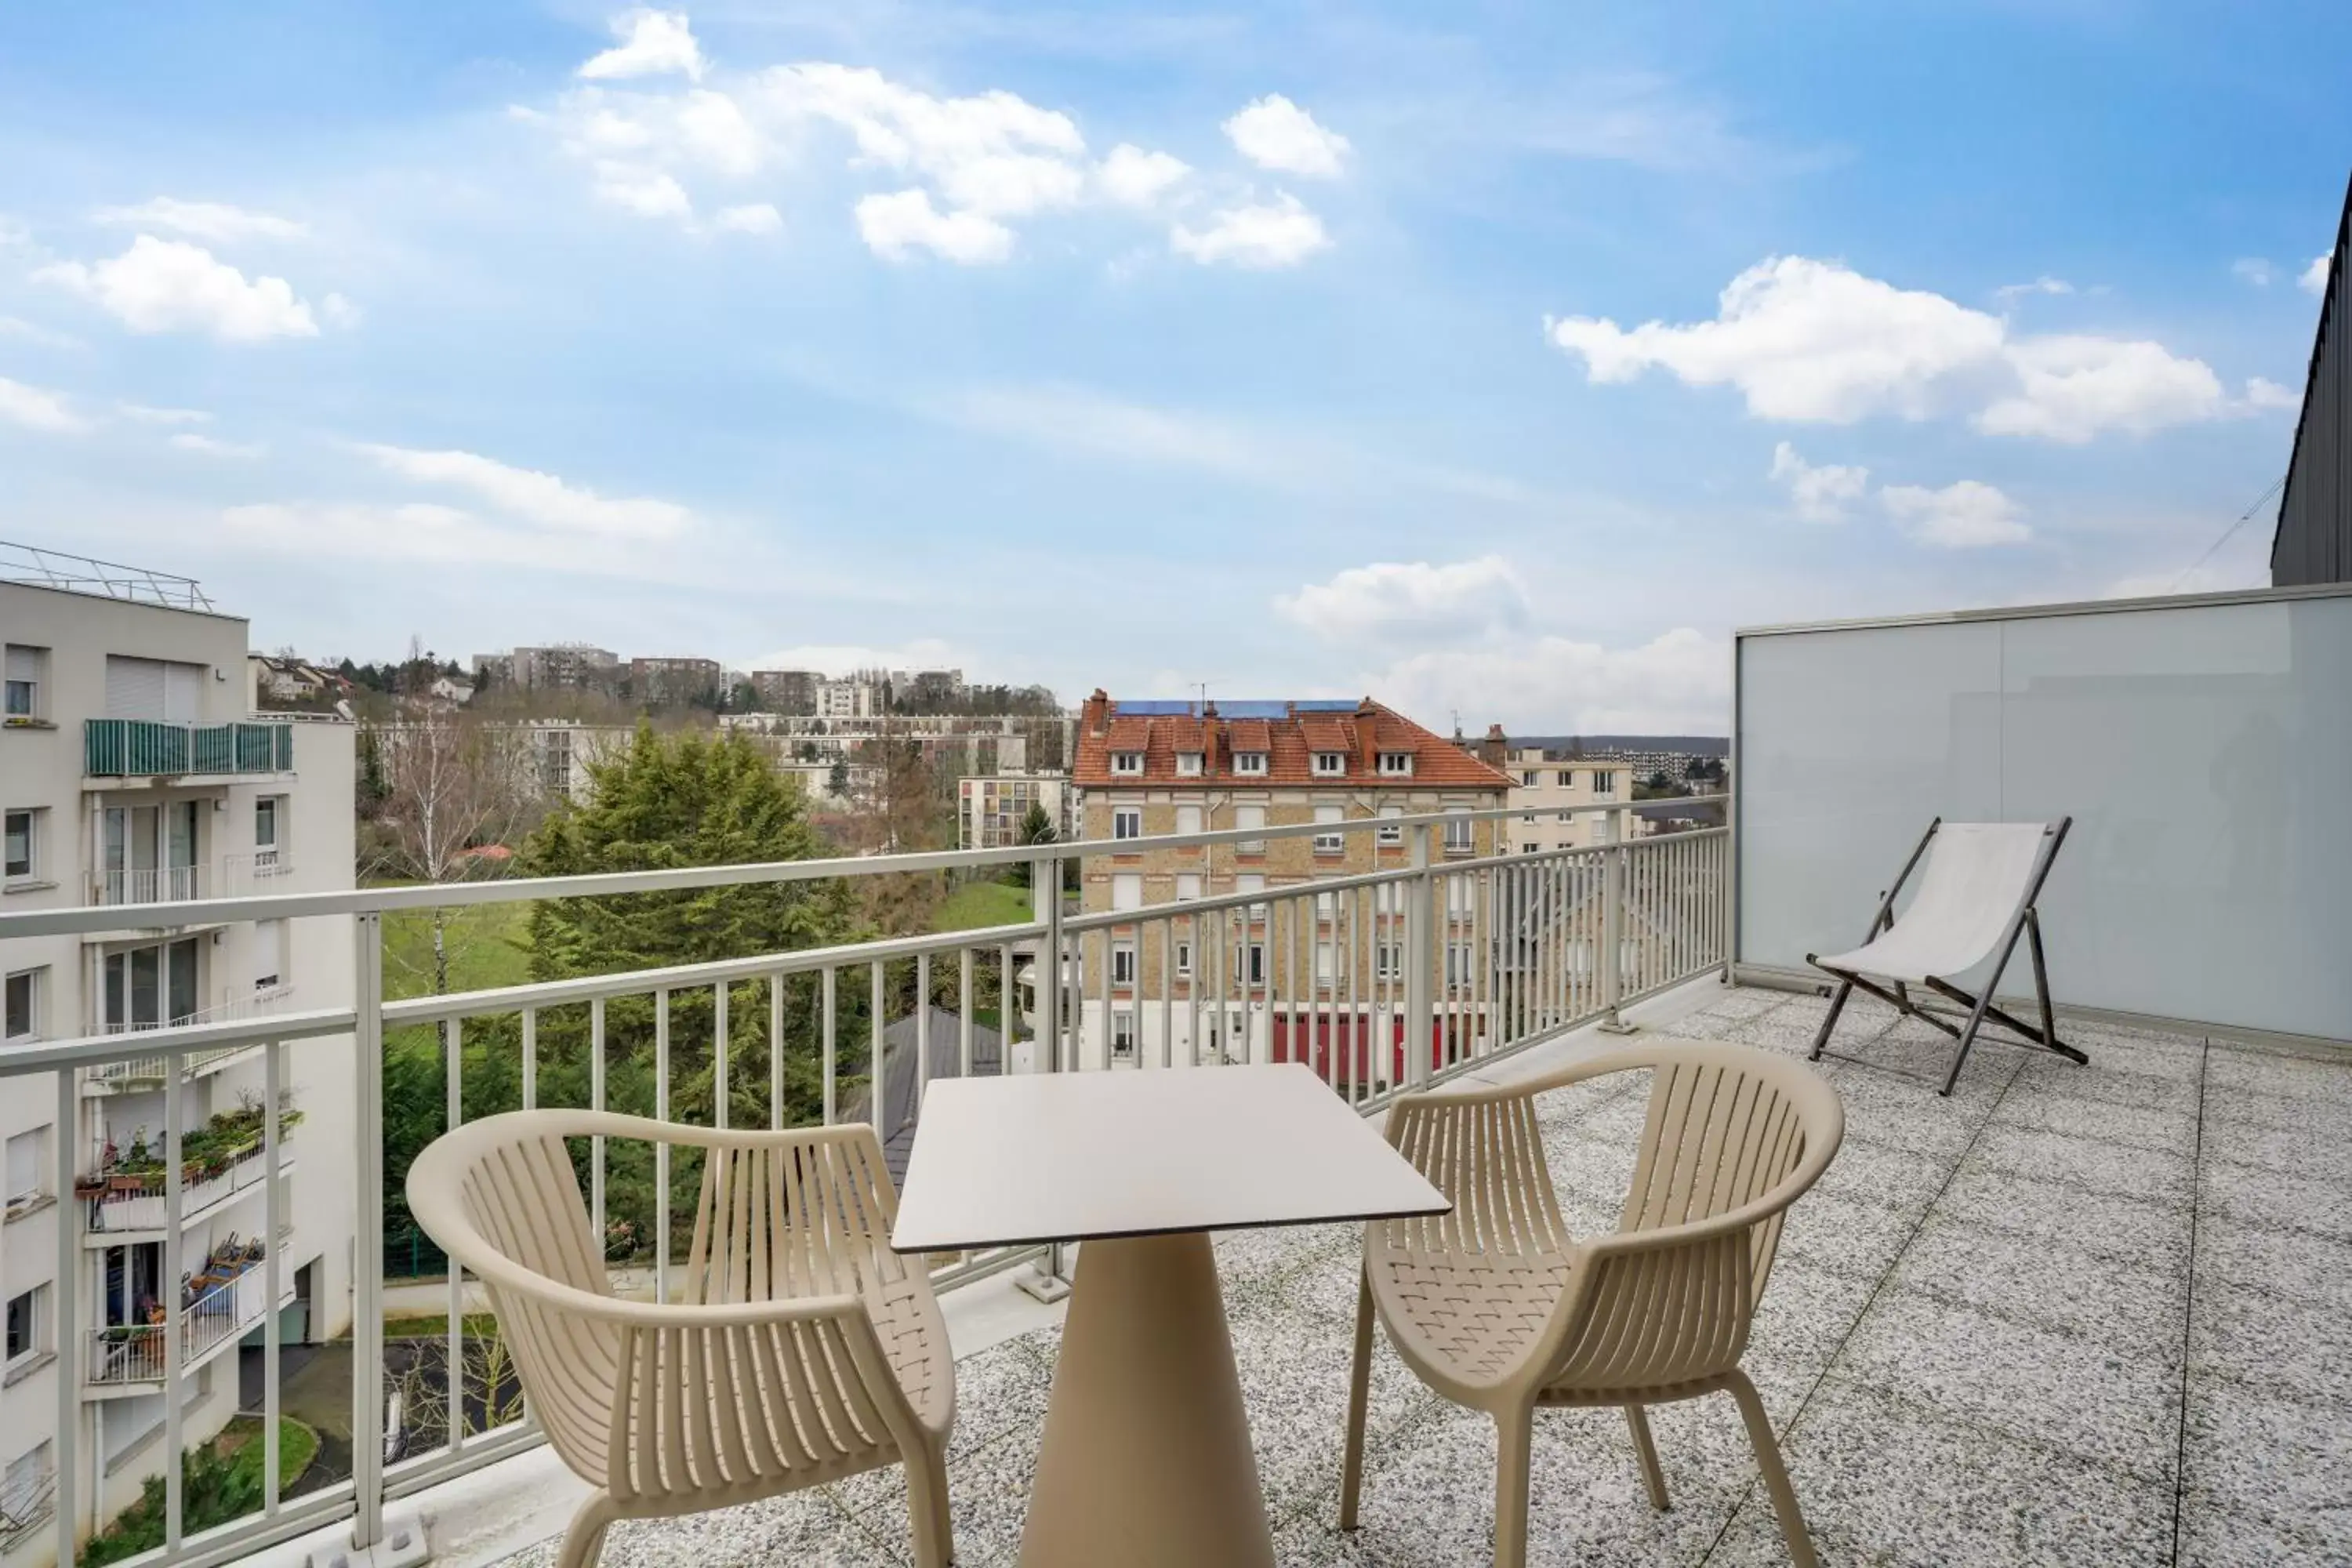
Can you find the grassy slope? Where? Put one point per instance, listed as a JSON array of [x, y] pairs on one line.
[[489, 945], [978, 904]]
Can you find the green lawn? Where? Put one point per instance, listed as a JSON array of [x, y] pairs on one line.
[[436, 1325], [979, 904], [489, 945]]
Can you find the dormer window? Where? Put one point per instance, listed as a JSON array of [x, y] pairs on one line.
[[1129, 763], [1251, 764], [1331, 764], [1188, 764], [1397, 764]]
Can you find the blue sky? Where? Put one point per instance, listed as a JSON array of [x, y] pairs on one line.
[[1496, 359]]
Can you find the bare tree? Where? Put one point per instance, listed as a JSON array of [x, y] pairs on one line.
[[450, 785]]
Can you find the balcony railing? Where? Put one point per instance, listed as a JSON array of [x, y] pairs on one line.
[[210, 1318], [153, 885], [146, 748], [147, 1071], [119, 1203], [1425, 960]]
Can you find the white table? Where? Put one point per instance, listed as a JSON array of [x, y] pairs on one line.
[[1146, 1459]]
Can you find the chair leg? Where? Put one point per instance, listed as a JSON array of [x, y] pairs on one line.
[[1837, 1005], [1514, 1432], [1359, 1386], [1968, 1034], [1652, 1476], [927, 1508], [1776, 1475], [583, 1543]]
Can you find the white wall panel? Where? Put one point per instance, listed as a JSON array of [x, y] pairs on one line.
[[2204, 751]]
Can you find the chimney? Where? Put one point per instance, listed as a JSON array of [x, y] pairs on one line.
[[1096, 718], [1495, 750]]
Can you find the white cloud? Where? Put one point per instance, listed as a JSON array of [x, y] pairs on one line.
[[2073, 388], [718, 132], [1415, 601], [2263, 394], [1957, 517], [215, 221], [756, 218], [1819, 494], [649, 193], [2044, 284], [1815, 340], [895, 225], [1135, 178], [1259, 235], [36, 409], [2314, 279], [143, 414], [537, 497], [1274, 133], [2252, 269], [653, 43], [17, 327], [189, 441], [1677, 683], [166, 285]]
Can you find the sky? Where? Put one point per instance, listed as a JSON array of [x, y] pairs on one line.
[[1493, 360]]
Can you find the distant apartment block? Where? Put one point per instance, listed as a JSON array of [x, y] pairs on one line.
[[135, 770], [992, 808], [542, 759], [675, 682], [1546, 782], [559, 667]]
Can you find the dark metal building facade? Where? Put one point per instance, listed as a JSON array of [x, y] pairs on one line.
[[2314, 543]]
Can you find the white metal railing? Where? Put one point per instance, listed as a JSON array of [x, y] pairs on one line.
[[138, 1071], [152, 885], [1416, 956], [253, 872], [208, 1318]]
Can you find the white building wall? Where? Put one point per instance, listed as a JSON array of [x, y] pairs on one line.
[[116, 1441]]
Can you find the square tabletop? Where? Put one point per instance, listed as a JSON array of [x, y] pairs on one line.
[[1065, 1156]]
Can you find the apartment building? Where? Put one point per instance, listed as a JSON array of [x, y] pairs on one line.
[[675, 682], [786, 690], [134, 772], [992, 807], [1149, 768], [557, 667], [1549, 783]]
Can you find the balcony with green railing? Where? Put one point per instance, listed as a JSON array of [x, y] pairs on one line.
[[147, 748]]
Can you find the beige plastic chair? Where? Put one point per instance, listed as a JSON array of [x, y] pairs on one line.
[[801, 1349], [1497, 1306]]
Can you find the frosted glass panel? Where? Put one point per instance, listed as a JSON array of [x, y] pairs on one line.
[[2204, 751]]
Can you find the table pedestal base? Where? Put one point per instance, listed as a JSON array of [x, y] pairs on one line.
[[1146, 1460]]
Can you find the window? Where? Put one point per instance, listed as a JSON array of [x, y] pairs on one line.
[[26, 1482], [1458, 963], [1385, 963], [1122, 963], [1331, 764], [1188, 885], [1126, 762], [1330, 843], [1397, 764], [1250, 816], [1602, 832], [1250, 765], [1183, 958], [23, 1015], [1188, 764], [1568, 778], [1391, 834], [269, 817], [1249, 963], [1527, 778], [21, 862], [1188, 819], [1567, 817], [270, 955], [1458, 829], [28, 1158], [1126, 822], [1252, 882], [1123, 1033], [1603, 781], [26, 669], [1126, 890], [28, 1324]]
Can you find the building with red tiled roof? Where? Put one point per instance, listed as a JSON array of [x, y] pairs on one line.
[[1152, 768]]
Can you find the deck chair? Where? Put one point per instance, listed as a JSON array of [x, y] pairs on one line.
[[1976, 897]]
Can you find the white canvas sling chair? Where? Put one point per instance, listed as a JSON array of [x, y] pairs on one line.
[[1976, 897]]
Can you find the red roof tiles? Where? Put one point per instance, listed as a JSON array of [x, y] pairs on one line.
[[1289, 742]]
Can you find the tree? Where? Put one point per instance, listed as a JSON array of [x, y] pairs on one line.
[[1038, 828]]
